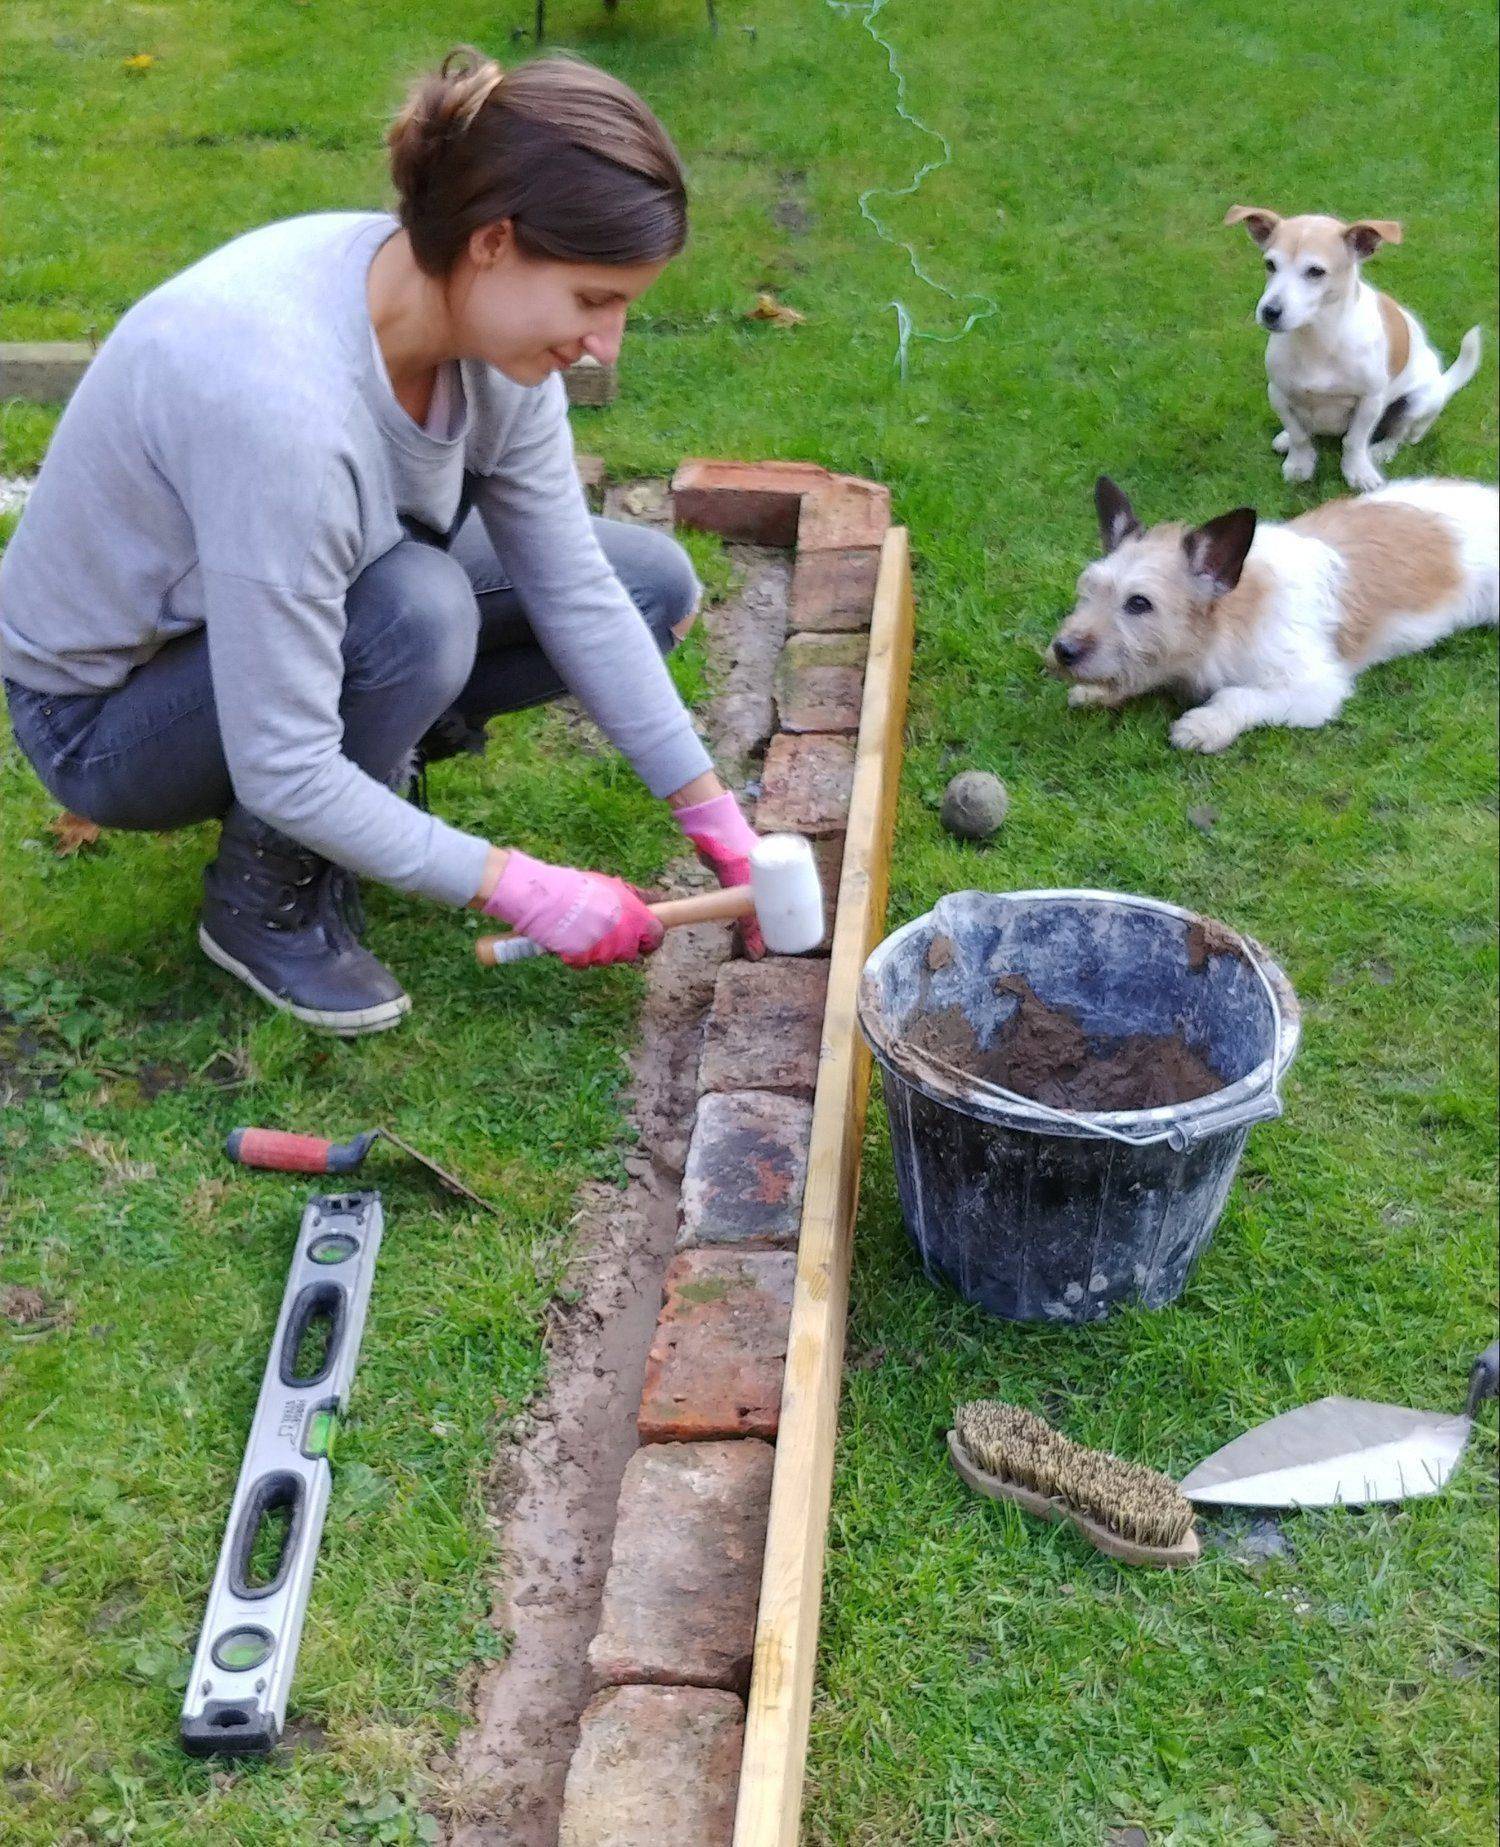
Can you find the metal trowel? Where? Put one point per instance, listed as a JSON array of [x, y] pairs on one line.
[[1343, 1452]]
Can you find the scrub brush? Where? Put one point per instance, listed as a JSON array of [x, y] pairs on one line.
[[1134, 1513]]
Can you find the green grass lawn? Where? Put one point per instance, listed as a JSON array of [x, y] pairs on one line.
[[982, 1679]]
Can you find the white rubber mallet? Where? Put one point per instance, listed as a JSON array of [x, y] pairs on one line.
[[784, 896]]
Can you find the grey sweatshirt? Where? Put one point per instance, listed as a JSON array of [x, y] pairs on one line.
[[233, 459]]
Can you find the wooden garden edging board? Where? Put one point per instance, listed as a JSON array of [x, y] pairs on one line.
[[769, 1806], [49, 371]]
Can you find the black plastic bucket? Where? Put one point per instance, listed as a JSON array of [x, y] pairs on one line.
[[1038, 1214]]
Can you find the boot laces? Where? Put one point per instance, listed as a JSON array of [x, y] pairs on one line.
[[296, 877], [346, 896]]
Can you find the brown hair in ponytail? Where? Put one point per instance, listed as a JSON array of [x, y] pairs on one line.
[[569, 154]]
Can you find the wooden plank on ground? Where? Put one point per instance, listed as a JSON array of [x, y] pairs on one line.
[[48, 372], [770, 1796]]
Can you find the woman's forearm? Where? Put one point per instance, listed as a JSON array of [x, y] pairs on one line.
[[494, 870], [703, 788], [582, 616]]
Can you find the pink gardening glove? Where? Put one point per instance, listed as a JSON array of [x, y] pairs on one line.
[[583, 917], [724, 840]]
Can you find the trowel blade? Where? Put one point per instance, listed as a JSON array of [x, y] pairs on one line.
[[1338, 1452]]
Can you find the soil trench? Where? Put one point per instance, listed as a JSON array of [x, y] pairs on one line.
[[562, 1485], [555, 1493], [746, 633], [1045, 1053]]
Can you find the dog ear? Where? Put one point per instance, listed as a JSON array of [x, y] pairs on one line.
[[1216, 552], [1117, 520], [1366, 237], [1259, 223]]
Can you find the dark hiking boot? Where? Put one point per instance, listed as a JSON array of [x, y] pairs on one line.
[[283, 920], [452, 735]]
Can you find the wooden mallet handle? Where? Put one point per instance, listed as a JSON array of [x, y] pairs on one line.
[[704, 907]]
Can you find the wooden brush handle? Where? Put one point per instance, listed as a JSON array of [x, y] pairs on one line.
[[703, 907]]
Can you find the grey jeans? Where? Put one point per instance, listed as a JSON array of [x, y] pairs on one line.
[[148, 754]]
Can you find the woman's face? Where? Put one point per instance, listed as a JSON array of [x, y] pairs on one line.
[[528, 316]]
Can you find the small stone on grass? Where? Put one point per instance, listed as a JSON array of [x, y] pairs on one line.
[[1254, 1543]]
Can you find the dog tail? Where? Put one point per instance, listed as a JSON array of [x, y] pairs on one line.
[[1418, 408], [1464, 367]]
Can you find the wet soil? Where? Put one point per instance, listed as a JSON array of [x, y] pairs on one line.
[[1206, 938], [1045, 1053]]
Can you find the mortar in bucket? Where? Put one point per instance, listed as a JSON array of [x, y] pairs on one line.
[[1040, 1213]]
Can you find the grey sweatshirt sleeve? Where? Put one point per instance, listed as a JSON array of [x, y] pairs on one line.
[[274, 653], [538, 521], [275, 626]]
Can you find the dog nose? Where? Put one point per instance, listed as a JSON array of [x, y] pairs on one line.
[[1068, 653], [1270, 314]]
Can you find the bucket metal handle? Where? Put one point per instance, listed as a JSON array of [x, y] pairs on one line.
[[1263, 1106]]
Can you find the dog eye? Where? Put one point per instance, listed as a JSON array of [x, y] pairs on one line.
[[1271, 265], [1314, 271], [1137, 605]]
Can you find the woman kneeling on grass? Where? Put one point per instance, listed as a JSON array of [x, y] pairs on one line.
[[311, 518]]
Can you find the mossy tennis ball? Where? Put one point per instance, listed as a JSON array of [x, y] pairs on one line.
[[974, 805]]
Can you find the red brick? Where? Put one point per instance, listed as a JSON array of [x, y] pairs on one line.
[[844, 512], [820, 682], [805, 786], [759, 503], [834, 589], [684, 1581], [765, 1029], [746, 1170], [655, 1767], [715, 1365], [782, 503]]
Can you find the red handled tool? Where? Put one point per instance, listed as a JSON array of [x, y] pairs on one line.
[[311, 1154]]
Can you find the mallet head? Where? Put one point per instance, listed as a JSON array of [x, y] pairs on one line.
[[788, 897]]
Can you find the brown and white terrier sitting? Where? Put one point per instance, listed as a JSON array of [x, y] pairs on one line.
[[1344, 359], [1266, 624]]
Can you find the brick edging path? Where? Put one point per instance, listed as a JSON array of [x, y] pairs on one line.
[[657, 1759]]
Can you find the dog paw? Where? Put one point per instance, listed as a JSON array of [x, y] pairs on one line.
[[1383, 453], [1083, 698], [1281, 442], [1300, 465], [1203, 730], [1362, 475]]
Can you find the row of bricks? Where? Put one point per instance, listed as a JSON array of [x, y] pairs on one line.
[[660, 1743], [715, 1364]]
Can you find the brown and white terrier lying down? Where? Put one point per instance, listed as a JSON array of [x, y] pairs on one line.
[[1266, 624]]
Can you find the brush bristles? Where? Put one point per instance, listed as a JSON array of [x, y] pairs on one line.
[[1130, 1499]]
